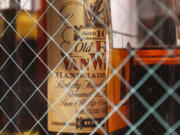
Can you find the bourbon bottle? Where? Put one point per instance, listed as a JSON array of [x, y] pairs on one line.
[[76, 55], [123, 35], [27, 77], [21, 101], [155, 69], [8, 9]]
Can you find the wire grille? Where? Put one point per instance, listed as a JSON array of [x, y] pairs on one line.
[[27, 94]]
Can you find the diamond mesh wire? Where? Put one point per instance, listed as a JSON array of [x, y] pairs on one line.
[[25, 104]]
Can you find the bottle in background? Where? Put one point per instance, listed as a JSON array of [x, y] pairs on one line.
[[124, 35], [8, 9], [26, 85], [176, 10], [23, 102], [78, 36], [155, 69], [175, 4]]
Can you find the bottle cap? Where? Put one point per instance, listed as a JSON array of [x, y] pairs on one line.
[[9, 4]]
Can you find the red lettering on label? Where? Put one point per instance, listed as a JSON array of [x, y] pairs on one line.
[[98, 61], [100, 46], [85, 63], [68, 65]]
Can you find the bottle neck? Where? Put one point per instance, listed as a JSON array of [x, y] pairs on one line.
[[26, 25]]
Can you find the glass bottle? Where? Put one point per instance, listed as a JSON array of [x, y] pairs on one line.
[[27, 76], [124, 34], [175, 5], [8, 9], [77, 33], [155, 69], [22, 103]]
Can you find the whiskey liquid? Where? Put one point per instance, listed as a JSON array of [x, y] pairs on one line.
[[152, 90], [117, 89], [153, 85]]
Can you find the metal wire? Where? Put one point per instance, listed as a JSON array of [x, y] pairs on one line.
[[151, 71]]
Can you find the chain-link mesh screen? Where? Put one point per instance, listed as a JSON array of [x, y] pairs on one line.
[[90, 67]]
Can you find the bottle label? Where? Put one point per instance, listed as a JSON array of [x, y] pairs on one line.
[[76, 57]]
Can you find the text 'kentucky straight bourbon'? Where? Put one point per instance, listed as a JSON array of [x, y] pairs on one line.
[[76, 56], [156, 67]]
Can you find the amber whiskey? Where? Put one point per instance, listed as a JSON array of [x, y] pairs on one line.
[[155, 73], [25, 55], [123, 35], [152, 90], [117, 90]]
